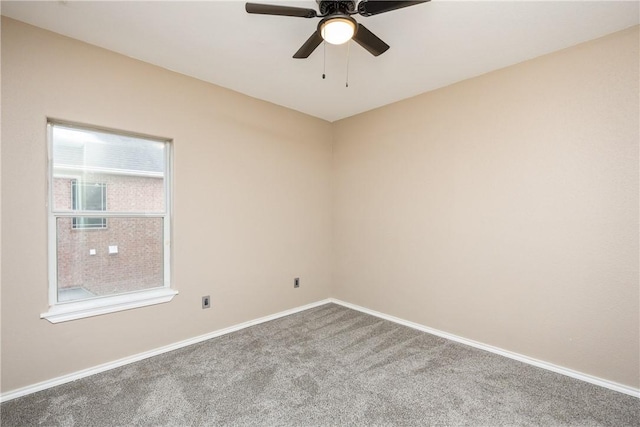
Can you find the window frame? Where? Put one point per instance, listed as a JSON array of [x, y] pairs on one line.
[[78, 309]]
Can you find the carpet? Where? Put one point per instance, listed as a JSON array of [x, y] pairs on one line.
[[327, 366]]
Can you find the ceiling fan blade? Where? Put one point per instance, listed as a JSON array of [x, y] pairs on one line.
[[374, 7], [269, 9], [370, 41], [309, 46]]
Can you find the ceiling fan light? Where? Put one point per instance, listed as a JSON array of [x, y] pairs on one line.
[[337, 30]]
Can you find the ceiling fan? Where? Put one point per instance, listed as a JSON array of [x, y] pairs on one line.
[[337, 26]]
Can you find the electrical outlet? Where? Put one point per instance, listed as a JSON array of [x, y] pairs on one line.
[[296, 282], [206, 302]]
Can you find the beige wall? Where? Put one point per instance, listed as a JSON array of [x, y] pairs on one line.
[[503, 209], [251, 211]]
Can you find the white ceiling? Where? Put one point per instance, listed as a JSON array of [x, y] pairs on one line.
[[432, 45]]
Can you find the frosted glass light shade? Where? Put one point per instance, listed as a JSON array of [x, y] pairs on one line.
[[337, 30]]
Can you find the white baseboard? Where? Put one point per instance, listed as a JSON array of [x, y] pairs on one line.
[[137, 357], [141, 356], [511, 355]]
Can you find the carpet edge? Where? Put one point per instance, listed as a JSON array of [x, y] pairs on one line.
[[621, 388], [63, 379]]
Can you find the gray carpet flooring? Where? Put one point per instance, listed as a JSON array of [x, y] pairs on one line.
[[327, 366]]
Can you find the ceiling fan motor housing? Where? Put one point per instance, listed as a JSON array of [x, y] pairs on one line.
[[342, 7]]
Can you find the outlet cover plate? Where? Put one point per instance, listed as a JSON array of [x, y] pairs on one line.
[[206, 302]]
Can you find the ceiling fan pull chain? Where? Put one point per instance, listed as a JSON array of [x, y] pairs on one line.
[[348, 53], [324, 59]]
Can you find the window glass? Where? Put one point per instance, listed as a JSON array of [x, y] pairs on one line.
[[133, 170], [127, 257], [88, 197], [109, 217]]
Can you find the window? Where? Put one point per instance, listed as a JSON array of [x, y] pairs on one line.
[[98, 178], [88, 197]]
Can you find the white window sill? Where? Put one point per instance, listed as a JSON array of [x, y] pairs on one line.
[[95, 307]]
